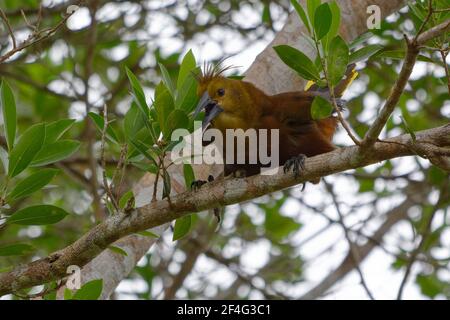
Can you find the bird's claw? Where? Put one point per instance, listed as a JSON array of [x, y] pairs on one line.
[[197, 184], [297, 164]]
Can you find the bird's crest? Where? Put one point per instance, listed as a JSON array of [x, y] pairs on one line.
[[210, 71]]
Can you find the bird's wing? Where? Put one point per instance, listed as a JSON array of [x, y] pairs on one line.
[[293, 111]]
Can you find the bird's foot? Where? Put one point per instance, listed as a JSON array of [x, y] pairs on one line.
[[197, 184], [341, 104], [297, 164]]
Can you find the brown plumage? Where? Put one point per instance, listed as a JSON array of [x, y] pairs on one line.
[[237, 104]]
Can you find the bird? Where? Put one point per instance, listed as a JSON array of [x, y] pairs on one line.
[[230, 103]]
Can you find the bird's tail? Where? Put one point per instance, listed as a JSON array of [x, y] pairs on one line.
[[350, 75]]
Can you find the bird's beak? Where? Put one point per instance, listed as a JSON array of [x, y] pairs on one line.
[[212, 109]]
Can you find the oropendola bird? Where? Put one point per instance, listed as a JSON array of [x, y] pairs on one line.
[[237, 104]]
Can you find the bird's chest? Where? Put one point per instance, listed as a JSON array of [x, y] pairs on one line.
[[228, 121]]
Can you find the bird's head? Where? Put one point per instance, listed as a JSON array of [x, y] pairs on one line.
[[226, 102]]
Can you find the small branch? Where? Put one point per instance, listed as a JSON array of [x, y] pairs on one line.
[[38, 37], [344, 123], [444, 55], [120, 169], [425, 234], [342, 120], [353, 251], [407, 68], [8, 26], [106, 185], [416, 193], [376, 128], [433, 33], [195, 248]]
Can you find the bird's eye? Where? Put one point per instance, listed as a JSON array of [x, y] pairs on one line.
[[221, 92]]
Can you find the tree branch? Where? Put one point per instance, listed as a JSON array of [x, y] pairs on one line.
[[269, 73], [413, 49], [218, 194]]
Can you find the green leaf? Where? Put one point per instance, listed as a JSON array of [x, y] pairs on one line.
[[143, 149], [118, 250], [298, 61], [277, 225], [8, 105], [187, 95], [149, 234], [90, 290], [337, 60], [167, 79], [38, 215], [100, 123], [361, 39], [302, 14], [55, 152], [400, 55], [187, 65], [266, 18], [366, 185], [4, 159], [335, 24], [133, 122], [67, 294], [18, 249], [430, 285], [417, 12], [408, 129], [321, 108], [164, 104], [55, 130], [312, 6], [123, 201], [364, 53], [182, 227], [33, 183], [28, 146], [189, 175], [177, 119], [6, 269], [322, 21], [138, 93]]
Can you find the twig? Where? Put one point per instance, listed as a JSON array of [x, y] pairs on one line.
[[41, 294], [352, 249], [344, 123], [407, 68], [89, 129], [40, 36], [106, 185], [444, 55], [121, 167], [408, 65], [8, 26], [417, 193], [425, 21], [425, 234], [342, 120]]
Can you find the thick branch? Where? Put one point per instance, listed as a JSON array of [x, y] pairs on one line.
[[218, 193]]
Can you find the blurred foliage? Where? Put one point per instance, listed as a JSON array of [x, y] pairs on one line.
[[135, 58]]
